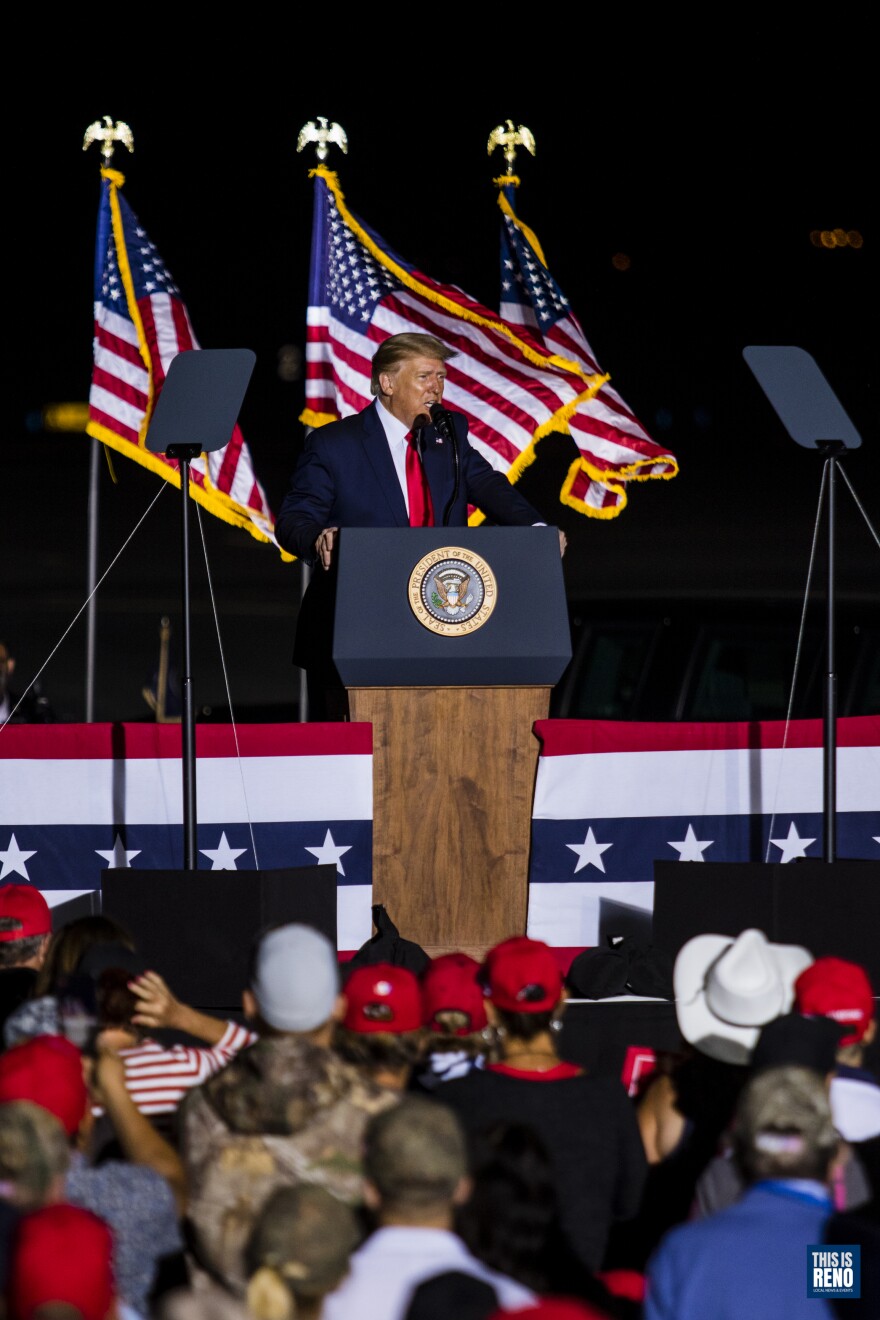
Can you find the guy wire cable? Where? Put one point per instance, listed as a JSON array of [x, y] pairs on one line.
[[85, 603]]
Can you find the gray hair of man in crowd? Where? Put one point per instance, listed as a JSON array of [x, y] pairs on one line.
[[34, 1154], [783, 1126], [415, 1156]]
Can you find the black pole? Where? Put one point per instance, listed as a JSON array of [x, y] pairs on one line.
[[185, 454], [91, 624], [831, 449]]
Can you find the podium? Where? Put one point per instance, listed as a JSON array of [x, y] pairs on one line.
[[449, 642]]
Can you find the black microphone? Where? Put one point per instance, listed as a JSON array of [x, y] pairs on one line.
[[443, 422]]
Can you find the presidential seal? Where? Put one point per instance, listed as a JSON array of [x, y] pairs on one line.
[[452, 591]]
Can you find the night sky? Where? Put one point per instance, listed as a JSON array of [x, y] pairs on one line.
[[674, 192]]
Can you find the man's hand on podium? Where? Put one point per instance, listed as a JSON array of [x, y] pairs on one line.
[[326, 542], [324, 545]]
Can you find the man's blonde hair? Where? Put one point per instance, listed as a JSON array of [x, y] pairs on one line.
[[397, 348]]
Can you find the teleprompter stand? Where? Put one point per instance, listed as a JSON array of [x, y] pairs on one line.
[[814, 418], [832, 913], [196, 414]]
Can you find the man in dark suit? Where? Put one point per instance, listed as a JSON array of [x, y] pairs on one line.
[[391, 465], [31, 708]]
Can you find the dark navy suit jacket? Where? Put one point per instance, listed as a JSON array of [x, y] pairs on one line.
[[346, 478]]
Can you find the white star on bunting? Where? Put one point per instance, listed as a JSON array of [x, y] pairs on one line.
[[14, 859], [330, 852], [589, 852], [119, 855], [223, 857], [792, 845], [690, 848]]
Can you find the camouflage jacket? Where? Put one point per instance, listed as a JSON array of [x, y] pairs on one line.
[[283, 1111]]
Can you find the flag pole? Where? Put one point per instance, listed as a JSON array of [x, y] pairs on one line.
[[92, 582], [108, 134], [320, 135], [305, 574]]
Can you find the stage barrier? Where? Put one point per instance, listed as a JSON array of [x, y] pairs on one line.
[[611, 800]]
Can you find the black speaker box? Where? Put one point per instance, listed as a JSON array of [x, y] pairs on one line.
[[831, 908], [73, 909], [197, 928]]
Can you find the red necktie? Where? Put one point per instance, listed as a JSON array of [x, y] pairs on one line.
[[421, 510]]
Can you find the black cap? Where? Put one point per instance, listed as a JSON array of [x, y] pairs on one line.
[[102, 956], [805, 1042]]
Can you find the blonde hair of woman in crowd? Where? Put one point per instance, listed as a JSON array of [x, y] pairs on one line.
[[298, 1253]]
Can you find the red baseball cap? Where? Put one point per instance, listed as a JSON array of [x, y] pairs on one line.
[[629, 1284], [28, 906], [450, 984], [47, 1070], [834, 988], [552, 1308], [382, 997], [523, 976], [61, 1253]]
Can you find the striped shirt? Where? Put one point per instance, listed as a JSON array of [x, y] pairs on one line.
[[158, 1077]]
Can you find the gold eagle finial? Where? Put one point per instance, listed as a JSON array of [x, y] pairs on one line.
[[321, 134], [108, 134], [510, 138]]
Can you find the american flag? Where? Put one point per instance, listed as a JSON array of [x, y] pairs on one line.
[[512, 388], [613, 446], [141, 324]]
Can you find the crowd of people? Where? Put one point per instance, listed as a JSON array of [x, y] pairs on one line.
[[371, 1141]]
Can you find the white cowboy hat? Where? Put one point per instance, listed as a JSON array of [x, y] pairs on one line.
[[726, 989]]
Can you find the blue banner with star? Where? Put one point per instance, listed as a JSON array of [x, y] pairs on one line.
[[612, 798], [78, 798]]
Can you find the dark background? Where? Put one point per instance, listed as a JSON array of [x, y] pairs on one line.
[[707, 162]]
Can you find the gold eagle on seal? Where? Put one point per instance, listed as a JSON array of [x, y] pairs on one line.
[[454, 595]]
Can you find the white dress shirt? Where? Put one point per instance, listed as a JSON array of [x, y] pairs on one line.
[[393, 1261], [396, 433]]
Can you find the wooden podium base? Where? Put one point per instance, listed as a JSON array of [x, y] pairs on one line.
[[453, 785]]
